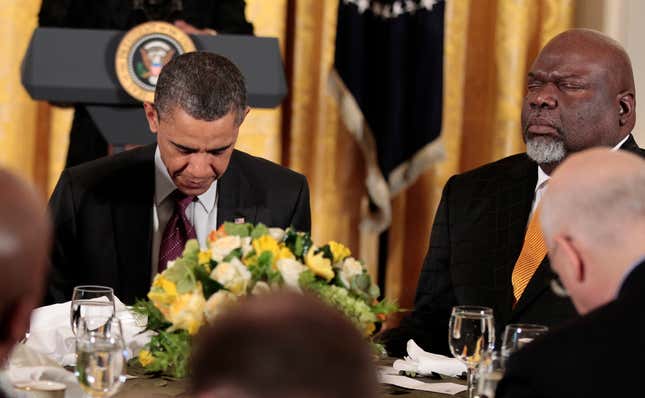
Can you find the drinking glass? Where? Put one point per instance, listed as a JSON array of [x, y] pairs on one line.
[[518, 335], [489, 372], [91, 301], [471, 333], [100, 356]]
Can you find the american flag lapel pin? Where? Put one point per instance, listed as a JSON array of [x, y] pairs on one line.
[[239, 220]]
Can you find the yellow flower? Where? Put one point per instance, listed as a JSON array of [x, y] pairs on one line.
[[163, 293], [284, 253], [339, 251], [204, 257], [187, 311], [319, 265], [266, 243], [145, 358]]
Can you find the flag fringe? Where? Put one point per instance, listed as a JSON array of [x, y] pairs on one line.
[[377, 187], [404, 175]]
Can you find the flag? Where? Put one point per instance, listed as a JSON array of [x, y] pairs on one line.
[[388, 81]]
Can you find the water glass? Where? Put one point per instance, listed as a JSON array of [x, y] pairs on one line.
[[489, 372], [91, 302], [100, 356], [518, 335], [471, 333]]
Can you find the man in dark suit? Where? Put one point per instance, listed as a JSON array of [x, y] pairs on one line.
[[24, 244], [580, 95], [118, 220], [594, 228]]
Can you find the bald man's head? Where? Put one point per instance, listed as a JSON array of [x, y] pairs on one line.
[[580, 95], [593, 218], [24, 244]]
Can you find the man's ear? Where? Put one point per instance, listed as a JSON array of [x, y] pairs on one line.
[[246, 112], [575, 264], [152, 116], [626, 109]]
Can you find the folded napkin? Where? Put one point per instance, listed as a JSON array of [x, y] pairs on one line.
[[50, 332], [424, 363]]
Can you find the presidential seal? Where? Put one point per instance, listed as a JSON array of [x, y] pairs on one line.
[[142, 53]]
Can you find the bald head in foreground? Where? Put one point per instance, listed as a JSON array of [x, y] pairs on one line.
[[579, 95], [24, 247], [594, 227], [284, 345]]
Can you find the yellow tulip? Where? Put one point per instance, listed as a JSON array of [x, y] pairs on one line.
[[319, 265], [339, 251]]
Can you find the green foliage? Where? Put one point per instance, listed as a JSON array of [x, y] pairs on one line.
[[259, 230], [236, 253], [385, 307], [241, 230], [298, 242], [326, 251], [156, 320], [182, 274], [209, 285], [171, 352]]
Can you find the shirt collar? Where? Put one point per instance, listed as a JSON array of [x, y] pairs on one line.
[[544, 177], [164, 186]]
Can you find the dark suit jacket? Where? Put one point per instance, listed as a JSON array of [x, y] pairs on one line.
[[477, 235], [599, 355], [102, 213]]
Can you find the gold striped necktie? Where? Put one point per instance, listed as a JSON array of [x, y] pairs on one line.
[[532, 254]]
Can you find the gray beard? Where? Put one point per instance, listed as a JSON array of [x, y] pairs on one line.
[[545, 150]]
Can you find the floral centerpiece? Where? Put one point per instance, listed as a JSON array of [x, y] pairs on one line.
[[246, 259]]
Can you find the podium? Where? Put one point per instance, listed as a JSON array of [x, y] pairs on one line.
[[77, 66]]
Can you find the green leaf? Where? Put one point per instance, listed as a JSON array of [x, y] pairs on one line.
[[298, 242], [241, 230], [326, 251], [236, 253], [191, 250], [156, 320], [361, 282], [209, 286], [259, 230]]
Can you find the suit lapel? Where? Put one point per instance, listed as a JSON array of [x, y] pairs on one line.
[[515, 197], [132, 211], [235, 198]]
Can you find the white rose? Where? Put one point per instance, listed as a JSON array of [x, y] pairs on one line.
[[222, 247], [276, 233], [218, 303], [246, 245], [350, 268], [290, 270], [232, 275]]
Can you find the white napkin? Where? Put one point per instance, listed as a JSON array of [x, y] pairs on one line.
[[26, 365], [50, 332], [424, 363]]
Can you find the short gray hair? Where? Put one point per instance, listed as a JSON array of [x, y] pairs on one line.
[[597, 212], [207, 86]]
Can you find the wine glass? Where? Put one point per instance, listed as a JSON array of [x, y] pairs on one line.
[[518, 335], [471, 333], [91, 301], [100, 356]]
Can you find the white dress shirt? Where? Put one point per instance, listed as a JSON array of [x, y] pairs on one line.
[[202, 213], [543, 178]]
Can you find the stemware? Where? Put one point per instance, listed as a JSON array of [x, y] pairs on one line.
[[518, 335], [489, 372], [471, 333], [91, 301], [100, 356]]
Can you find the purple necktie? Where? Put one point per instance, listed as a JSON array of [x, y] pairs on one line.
[[178, 231]]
